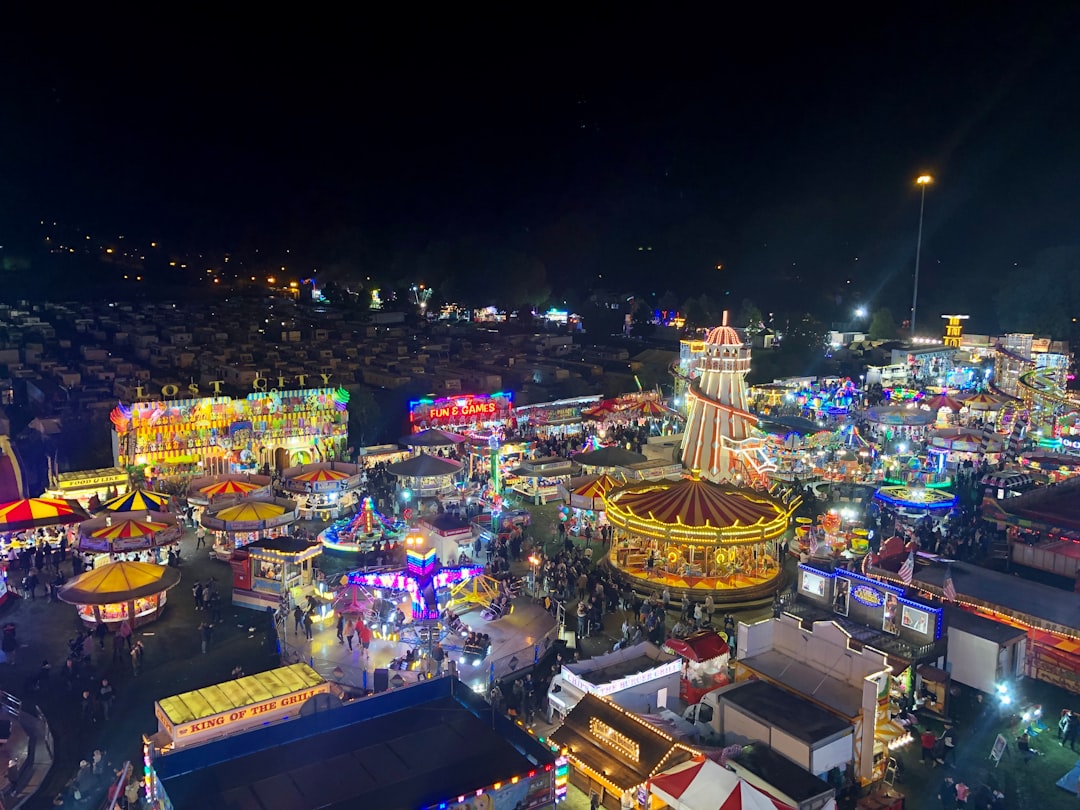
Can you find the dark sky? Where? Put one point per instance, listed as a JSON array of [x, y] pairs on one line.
[[782, 147]]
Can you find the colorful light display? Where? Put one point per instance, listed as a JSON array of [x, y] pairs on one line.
[[468, 411]]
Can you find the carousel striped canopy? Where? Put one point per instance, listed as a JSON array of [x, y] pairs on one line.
[[697, 503], [229, 487], [126, 529], [30, 513], [321, 475]]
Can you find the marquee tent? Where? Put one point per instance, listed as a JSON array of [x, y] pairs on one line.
[[705, 785]]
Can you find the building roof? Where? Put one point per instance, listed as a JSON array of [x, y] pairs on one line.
[[776, 769], [411, 747], [656, 749], [790, 713], [804, 679], [960, 619]]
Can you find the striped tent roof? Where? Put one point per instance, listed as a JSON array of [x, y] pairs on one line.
[[697, 503], [125, 529], [229, 487], [137, 500], [597, 487], [943, 401], [250, 511], [984, 402], [29, 513], [321, 475]]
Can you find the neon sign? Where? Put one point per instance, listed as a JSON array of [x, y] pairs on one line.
[[865, 595], [467, 409]]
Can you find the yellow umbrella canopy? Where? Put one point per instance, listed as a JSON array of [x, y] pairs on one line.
[[118, 582], [229, 487], [250, 511]]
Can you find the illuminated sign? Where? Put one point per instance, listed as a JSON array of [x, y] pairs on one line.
[[614, 739], [467, 409], [257, 712], [258, 384], [637, 679], [865, 595]]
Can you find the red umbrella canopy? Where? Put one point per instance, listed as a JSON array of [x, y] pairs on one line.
[[30, 513], [599, 413], [649, 407]]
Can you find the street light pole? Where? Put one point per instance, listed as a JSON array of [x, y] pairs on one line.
[[923, 180]]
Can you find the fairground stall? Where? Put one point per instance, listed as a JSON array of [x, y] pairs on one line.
[[705, 656], [273, 567], [330, 487], [539, 480], [432, 439], [450, 536], [89, 487], [135, 536], [120, 591], [236, 524], [613, 753], [211, 435], [314, 760], [560, 418], [1057, 467], [466, 413], [895, 427], [698, 536], [253, 701], [136, 500], [585, 499], [221, 489], [960, 444], [612, 460]]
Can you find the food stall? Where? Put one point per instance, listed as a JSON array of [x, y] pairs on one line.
[[705, 657], [87, 485], [120, 591], [540, 479], [138, 536], [328, 489], [237, 524], [233, 707], [265, 570]]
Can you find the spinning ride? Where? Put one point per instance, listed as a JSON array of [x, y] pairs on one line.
[[362, 531], [698, 536]]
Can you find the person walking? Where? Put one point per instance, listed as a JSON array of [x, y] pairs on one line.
[[350, 630], [196, 594], [948, 738], [363, 632], [1072, 728], [206, 631], [947, 794], [298, 619], [709, 608], [137, 658], [927, 740], [106, 696], [341, 628], [438, 655], [124, 632], [309, 623], [200, 537]]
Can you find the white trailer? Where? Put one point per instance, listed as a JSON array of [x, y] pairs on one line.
[[983, 653]]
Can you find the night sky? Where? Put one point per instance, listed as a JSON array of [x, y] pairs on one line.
[[632, 153]]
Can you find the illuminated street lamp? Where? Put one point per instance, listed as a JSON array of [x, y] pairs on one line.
[[922, 181]]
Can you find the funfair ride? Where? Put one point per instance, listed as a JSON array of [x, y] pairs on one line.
[[720, 438]]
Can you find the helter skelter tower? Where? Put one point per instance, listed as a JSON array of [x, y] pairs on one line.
[[719, 439]]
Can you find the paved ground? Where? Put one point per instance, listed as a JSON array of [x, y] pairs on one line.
[[173, 664]]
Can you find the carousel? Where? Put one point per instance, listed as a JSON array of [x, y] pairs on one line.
[[121, 591], [427, 476], [693, 535], [915, 502], [136, 536], [235, 525], [136, 500]]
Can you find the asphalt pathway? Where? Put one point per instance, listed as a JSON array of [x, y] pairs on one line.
[[173, 663]]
